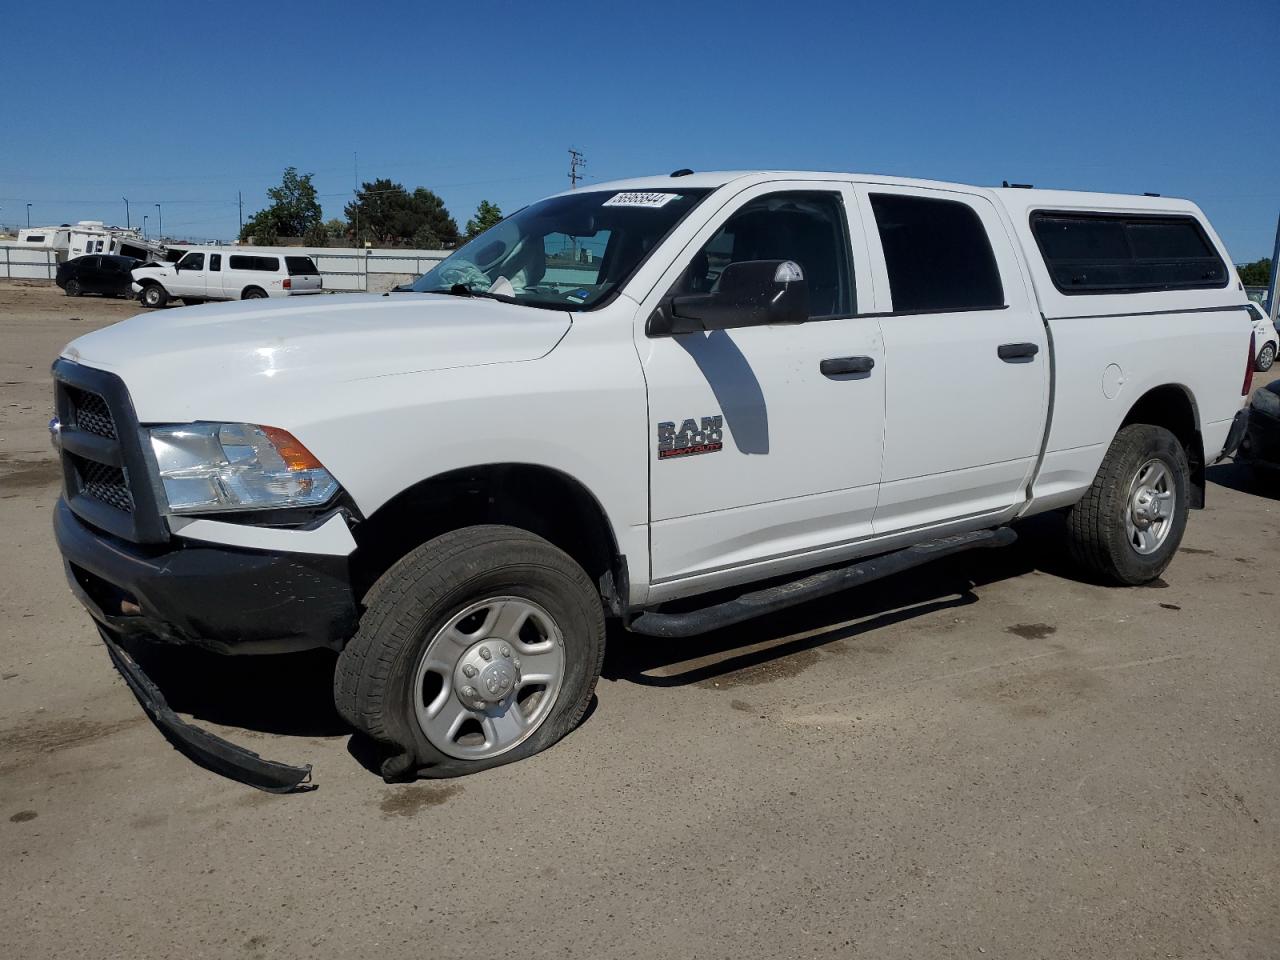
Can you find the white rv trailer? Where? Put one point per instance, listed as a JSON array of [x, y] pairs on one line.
[[88, 237]]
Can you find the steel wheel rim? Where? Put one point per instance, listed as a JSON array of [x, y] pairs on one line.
[[1148, 518], [489, 678]]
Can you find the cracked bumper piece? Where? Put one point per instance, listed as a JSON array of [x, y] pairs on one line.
[[198, 745], [222, 598]]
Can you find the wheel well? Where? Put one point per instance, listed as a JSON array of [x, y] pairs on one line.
[[1171, 406], [252, 286], [538, 499]]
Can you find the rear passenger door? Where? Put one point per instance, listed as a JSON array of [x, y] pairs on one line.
[[966, 357]]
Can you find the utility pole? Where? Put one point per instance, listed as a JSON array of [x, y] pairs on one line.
[[240, 204], [1273, 293], [127, 224], [28, 216], [576, 160], [144, 226], [160, 217]]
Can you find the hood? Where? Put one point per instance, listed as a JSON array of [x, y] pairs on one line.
[[305, 342]]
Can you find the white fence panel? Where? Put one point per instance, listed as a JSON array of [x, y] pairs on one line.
[[25, 263]]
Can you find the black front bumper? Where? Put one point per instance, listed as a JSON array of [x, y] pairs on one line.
[[1261, 445], [224, 599]]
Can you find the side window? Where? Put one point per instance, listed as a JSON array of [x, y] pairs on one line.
[[1110, 253], [267, 264], [215, 261], [937, 253], [192, 261], [239, 262], [807, 227]]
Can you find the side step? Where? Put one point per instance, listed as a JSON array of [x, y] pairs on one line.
[[751, 605]]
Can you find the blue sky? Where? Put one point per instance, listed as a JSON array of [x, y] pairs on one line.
[[184, 104]]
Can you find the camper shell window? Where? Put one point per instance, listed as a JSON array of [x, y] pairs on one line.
[[35, 238], [266, 264], [1126, 253], [301, 266]]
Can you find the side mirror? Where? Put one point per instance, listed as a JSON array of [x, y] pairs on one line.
[[749, 294]]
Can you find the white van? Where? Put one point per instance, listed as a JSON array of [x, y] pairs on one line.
[[220, 273]]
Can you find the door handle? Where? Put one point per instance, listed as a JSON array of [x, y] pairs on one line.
[[834, 366], [1013, 352]]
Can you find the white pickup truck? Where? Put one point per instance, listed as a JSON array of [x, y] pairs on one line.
[[633, 394]]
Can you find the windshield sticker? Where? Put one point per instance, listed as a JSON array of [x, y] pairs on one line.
[[640, 199]]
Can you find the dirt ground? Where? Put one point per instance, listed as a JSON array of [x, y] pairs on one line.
[[990, 759]]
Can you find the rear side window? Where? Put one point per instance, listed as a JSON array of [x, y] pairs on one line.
[[937, 253], [300, 266], [1109, 253], [215, 261], [241, 262]]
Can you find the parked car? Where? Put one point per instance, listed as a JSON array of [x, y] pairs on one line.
[[767, 385], [1261, 446], [1267, 338], [219, 273], [106, 274]]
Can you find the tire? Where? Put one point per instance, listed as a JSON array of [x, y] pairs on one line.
[[154, 296], [254, 293], [1111, 530], [73, 288], [1266, 357], [400, 665]]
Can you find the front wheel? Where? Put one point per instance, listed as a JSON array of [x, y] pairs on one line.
[[478, 648], [154, 296], [73, 288], [1266, 357], [1129, 523]]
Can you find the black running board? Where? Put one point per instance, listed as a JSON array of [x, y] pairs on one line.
[[200, 746], [750, 605]]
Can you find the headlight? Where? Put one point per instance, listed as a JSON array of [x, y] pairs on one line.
[[237, 466]]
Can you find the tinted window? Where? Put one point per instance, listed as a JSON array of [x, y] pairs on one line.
[[937, 254], [301, 265], [805, 227], [87, 263], [131, 251], [215, 261], [192, 261], [241, 262], [36, 238], [1100, 253]]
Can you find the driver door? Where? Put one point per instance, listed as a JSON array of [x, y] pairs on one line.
[[765, 441], [189, 276]]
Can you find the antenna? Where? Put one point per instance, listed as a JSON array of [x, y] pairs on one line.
[[576, 160]]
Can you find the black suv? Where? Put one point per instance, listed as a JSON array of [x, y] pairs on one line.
[[101, 273]]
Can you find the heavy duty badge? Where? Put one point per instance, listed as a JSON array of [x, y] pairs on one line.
[[690, 438]]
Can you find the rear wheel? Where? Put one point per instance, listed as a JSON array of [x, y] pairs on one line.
[[480, 647], [73, 288], [254, 293], [1266, 357], [154, 295], [1129, 523]]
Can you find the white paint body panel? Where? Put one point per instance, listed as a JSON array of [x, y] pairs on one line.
[[942, 437]]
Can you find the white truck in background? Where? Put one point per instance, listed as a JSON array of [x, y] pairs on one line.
[[635, 394]]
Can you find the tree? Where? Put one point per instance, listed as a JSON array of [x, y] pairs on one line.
[[385, 212], [487, 214], [1256, 274], [293, 212]]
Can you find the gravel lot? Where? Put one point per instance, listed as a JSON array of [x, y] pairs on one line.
[[991, 758]]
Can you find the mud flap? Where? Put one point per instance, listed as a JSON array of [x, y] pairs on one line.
[[200, 746]]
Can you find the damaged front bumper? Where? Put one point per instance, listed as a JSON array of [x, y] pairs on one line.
[[199, 745]]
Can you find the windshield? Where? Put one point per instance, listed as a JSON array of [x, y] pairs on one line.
[[569, 252]]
